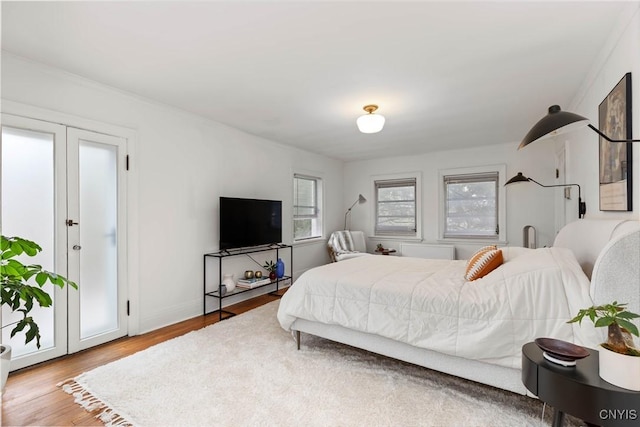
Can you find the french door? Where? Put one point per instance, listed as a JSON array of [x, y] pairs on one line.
[[65, 188]]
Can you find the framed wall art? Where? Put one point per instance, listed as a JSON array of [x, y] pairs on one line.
[[614, 117]]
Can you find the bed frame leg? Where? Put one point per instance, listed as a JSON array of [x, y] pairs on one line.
[[298, 339]]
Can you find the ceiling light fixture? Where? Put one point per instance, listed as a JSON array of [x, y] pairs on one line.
[[558, 122], [370, 123]]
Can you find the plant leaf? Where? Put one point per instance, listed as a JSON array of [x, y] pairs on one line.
[[6, 254], [633, 329], [16, 248], [41, 278], [628, 315], [4, 244], [604, 321]]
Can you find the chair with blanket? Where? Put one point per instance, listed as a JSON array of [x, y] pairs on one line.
[[346, 244]]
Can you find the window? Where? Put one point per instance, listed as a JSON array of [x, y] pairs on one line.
[[307, 207], [396, 207], [471, 205]]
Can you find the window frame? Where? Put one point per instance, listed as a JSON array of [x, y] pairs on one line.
[[416, 179], [319, 215], [473, 173]]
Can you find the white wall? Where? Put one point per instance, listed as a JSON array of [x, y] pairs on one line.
[[620, 55], [183, 163], [527, 204]]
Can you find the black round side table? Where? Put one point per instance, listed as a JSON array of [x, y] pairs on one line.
[[579, 390]]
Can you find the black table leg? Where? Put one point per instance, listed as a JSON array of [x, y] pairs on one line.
[[558, 418]]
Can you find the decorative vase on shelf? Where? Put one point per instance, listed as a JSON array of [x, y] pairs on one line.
[[229, 282], [272, 275], [619, 369], [279, 269]]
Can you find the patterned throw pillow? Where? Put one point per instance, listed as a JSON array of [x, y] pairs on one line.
[[483, 262], [484, 249]]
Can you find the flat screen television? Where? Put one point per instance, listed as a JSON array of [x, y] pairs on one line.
[[249, 222]]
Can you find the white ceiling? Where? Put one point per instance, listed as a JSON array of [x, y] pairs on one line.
[[445, 74]]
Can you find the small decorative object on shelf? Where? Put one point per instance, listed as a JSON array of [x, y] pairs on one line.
[[252, 283], [279, 269], [248, 274], [223, 290], [258, 274], [270, 266], [381, 250], [229, 282], [561, 352]]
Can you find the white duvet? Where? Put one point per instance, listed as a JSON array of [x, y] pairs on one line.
[[427, 303]]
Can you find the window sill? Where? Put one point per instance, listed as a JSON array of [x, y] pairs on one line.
[[396, 238], [475, 241], [311, 241]]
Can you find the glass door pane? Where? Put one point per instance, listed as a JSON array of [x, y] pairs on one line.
[[98, 238], [27, 168], [33, 194]]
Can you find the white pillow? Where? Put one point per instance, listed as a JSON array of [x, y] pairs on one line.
[[511, 252]]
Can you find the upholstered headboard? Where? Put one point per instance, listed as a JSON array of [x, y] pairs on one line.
[[616, 273], [609, 253], [587, 237]]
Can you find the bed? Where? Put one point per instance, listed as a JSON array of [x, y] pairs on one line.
[[423, 311]]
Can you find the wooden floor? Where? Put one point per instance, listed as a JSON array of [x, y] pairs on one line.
[[31, 397]]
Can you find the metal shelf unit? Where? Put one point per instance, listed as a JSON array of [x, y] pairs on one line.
[[220, 255]]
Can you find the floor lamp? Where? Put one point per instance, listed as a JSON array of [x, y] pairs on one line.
[[360, 200], [582, 206]]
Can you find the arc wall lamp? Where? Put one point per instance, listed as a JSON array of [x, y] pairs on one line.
[[360, 200], [582, 206], [557, 122]]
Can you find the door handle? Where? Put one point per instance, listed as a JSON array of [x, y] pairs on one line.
[[70, 222], [77, 247]]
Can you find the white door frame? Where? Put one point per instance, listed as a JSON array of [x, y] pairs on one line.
[[74, 136]]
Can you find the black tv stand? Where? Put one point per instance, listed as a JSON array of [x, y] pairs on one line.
[[225, 253]]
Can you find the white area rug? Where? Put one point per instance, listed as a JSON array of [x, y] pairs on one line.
[[246, 371]]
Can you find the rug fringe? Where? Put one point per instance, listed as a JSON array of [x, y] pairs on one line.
[[92, 404]]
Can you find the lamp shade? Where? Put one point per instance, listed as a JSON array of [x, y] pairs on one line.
[[370, 123], [554, 123], [518, 178]]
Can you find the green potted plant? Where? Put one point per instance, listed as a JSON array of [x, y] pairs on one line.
[[270, 266], [21, 288], [619, 358]]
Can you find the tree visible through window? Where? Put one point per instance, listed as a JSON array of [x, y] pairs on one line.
[[471, 205], [396, 207], [307, 218]]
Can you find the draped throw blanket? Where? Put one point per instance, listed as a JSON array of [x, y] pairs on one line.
[[341, 242]]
